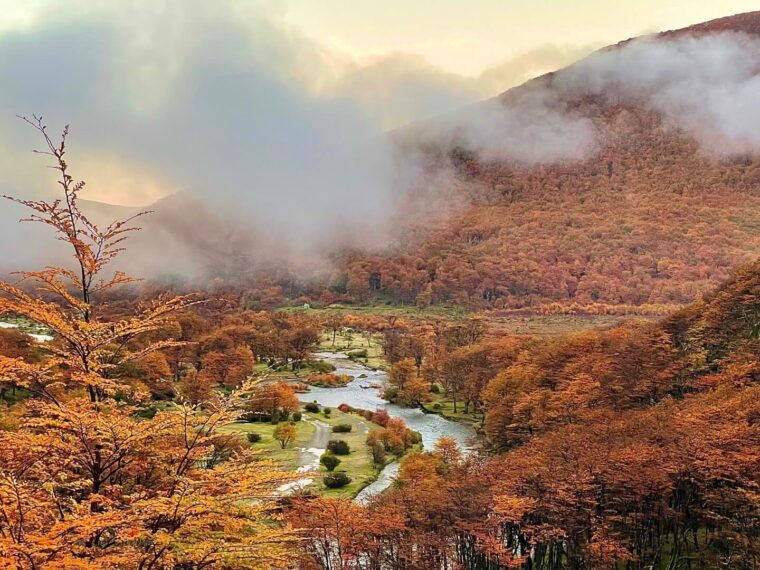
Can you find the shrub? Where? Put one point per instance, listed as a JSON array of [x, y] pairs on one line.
[[390, 393], [380, 417], [254, 437], [327, 412], [413, 437], [437, 407], [342, 428], [357, 353], [312, 407], [275, 418], [329, 380], [337, 480], [297, 416], [329, 461], [338, 447], [435, 389], [285, 434], [147, 413], [345, 408], [378, 452], [320, 366]]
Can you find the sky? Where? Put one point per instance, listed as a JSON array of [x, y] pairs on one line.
[[469, 37], [378, 64]]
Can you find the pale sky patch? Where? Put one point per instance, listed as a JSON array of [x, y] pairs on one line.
[[467, 38]]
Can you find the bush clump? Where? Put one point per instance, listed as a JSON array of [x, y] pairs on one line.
[[338, 447], [327, 412], [337, 480], [342, 428], [253, 437], [320, 366], [413, 437], [390, 394], [297, 416], [329, 380], [378, 452], [329, 461], [312, 407]]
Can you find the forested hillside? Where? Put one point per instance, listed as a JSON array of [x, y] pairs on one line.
[[635, 447], [652, 215]]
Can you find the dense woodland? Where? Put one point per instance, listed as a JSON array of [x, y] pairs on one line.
[[631, 447], [635, 447], [650, 219]]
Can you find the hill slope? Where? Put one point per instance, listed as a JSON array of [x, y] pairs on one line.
[[662, 207]]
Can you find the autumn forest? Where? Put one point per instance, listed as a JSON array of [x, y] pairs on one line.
[[541, 353]]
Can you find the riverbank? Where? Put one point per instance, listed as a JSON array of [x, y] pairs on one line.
[[443, 406], [35, 330], [358, 464], [314, 431], [365, 349], [438, 404], [365, 392]]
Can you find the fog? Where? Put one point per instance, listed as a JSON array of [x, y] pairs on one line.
[[255, 145], [707, 85], [273, 146], [198, 101]]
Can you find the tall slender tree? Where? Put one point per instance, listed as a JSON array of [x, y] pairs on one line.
[[84, 482]]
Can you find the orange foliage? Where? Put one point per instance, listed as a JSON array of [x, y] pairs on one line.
[[84, 482]]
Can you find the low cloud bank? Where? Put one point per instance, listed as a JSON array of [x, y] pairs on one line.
[[707, 86], [275, 148]]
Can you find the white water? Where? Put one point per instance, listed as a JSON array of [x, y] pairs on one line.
[[364, 393], [36, 336]]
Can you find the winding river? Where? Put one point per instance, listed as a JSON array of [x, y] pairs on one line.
[[364, 392]]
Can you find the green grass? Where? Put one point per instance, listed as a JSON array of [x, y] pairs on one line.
[[551, 325], [387, 310], [25, 324], [447, 410], [288, 457], [345, 342], [284, 372], [358, 464]]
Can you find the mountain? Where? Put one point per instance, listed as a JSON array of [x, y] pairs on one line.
[[630, 177], [659, 208], [182, 239]]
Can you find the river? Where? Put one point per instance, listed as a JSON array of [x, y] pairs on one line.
[[364, 392]]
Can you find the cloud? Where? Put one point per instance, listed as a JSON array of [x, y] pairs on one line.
[[193, 100], [277, 143], [537, 61], [401, 88], [707, 85], [536, 127]]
